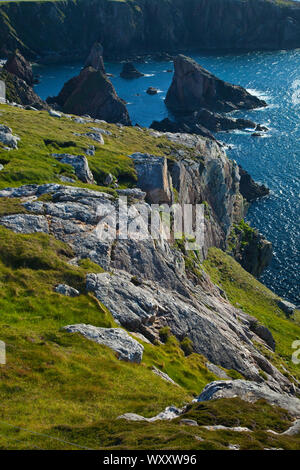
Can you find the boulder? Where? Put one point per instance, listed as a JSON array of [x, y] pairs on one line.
[[249, 189], [66, 290], [116, 339], [163, 376], [95, 58], [251, 392], [91, 93], [19, 66], [80, 165], [7, 138], [152, 91], [129, 71], [153, 177], [194, 88], [54, 113], [171, 412], [286, 306]]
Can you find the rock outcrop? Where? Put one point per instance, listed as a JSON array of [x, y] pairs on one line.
[[66, 290], [20, 67], [92, 93], [249, 189], [194, 88], [129, 71], [80, 165], [7, 138], [95, 58], [153, 177], [250, 392], [164, 296], [116, 339]]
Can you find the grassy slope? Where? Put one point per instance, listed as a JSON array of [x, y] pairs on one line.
[[71, 388], [245, 292]]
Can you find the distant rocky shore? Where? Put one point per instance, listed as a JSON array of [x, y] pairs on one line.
[[55, 32]]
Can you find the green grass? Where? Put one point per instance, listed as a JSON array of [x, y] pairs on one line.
[[42, 135], [66, 386], [248, 294], [54, 377]]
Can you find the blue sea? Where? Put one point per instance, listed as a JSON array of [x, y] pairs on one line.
[[272, 160]]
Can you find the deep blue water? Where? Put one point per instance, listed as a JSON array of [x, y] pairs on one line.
[[273, 160]]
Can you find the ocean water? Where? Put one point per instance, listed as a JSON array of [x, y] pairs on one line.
[[273, 160]]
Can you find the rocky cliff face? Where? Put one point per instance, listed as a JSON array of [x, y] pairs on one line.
[[92, 93], [194, 88], [66, 30], [163, 296]]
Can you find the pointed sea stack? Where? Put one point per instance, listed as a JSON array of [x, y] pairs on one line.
[[92, 93], [194, 88], [95, 58]]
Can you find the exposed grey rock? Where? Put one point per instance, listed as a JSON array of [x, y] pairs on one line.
[[54, 113], [220, 427], [66, 290], [66, 179], [188, 422], [117, 339], [96, 136], [286, 306], [25, 223], [164, 296], [100, 130], [153, 177], [251, 392], [7, 138], [217, 371], [109, 179], [90, 152], [222, 338], [168, 414], [163, 375], [134, 193], [80, 165]]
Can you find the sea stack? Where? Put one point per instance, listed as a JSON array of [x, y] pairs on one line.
[[129, 71], [194, 88], [92, 93], [95, 58]]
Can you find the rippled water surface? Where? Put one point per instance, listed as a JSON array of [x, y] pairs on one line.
[[273, 160]]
